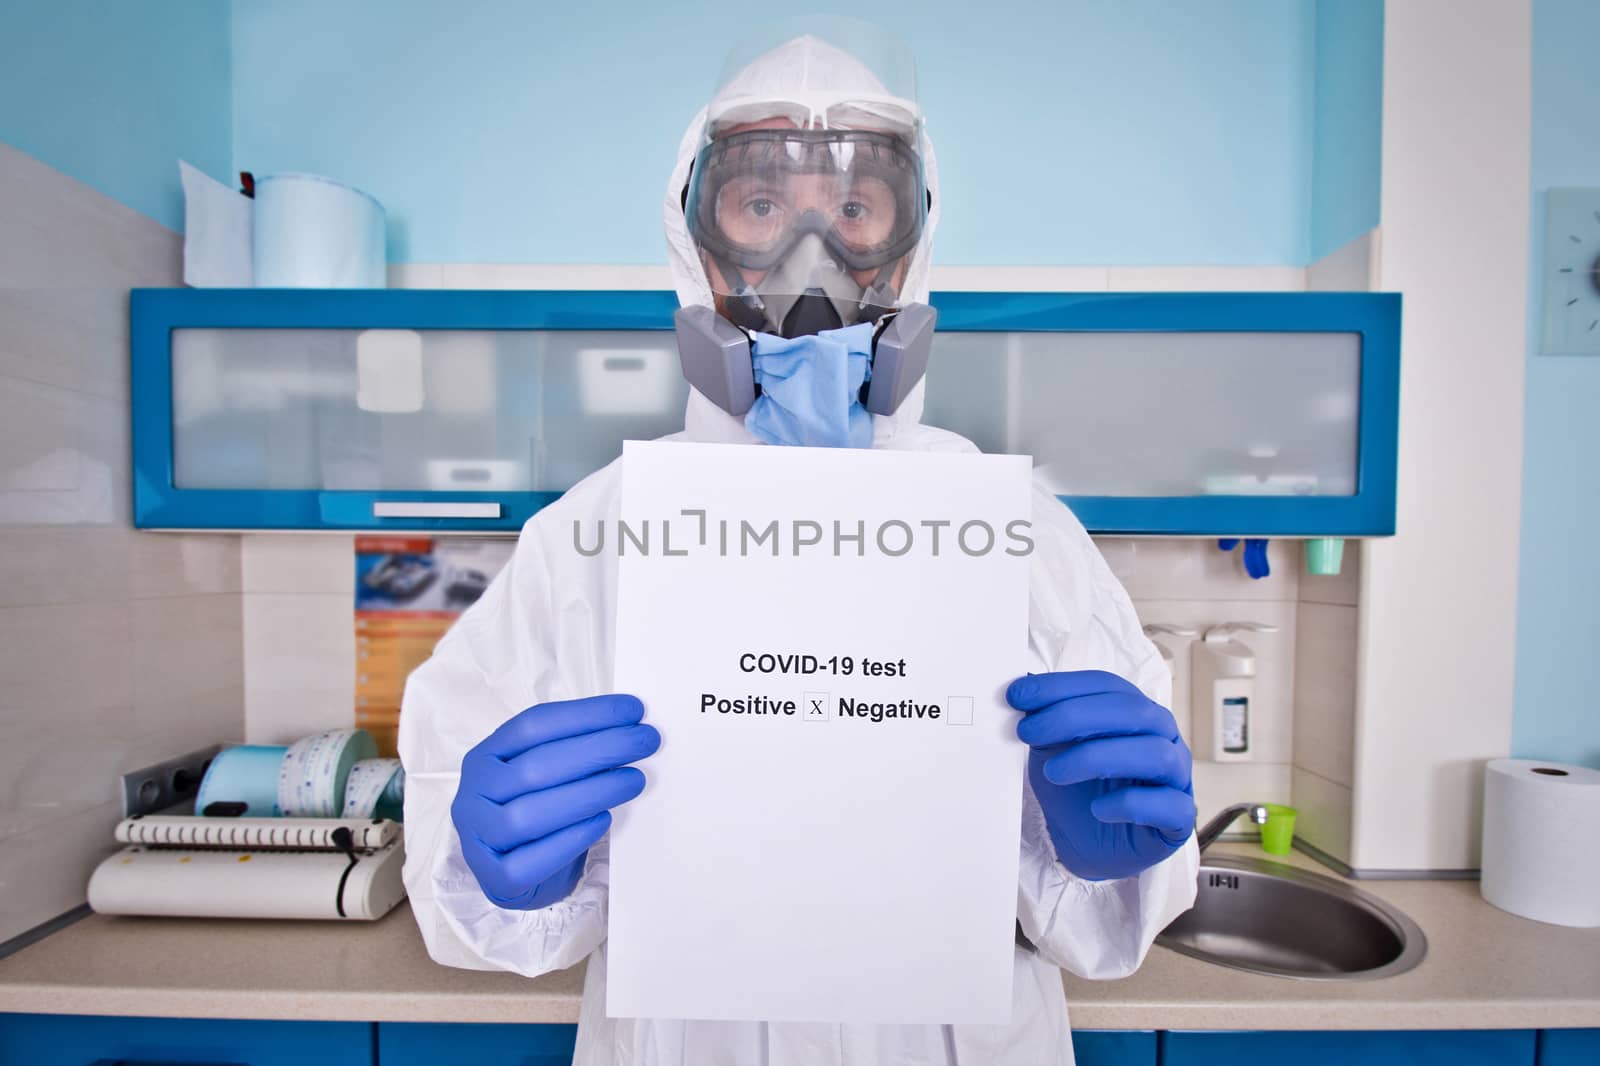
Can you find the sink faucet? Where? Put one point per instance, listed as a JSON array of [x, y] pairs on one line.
[[1206, 834]]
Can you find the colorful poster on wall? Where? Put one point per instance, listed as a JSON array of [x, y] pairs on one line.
[[409, 591]]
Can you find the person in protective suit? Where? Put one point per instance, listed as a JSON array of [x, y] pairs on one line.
[[799, 219]]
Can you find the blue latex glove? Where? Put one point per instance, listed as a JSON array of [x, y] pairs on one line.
[[811, 388], [1109, 769], [1256, 563], [537, 794]]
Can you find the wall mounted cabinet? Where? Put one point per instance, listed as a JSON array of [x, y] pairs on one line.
[[1267, 414]]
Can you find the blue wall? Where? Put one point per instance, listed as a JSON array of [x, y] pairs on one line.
[[1558, 664], [1348, 123], [1148, 132], [114, 93], [1155, 131]]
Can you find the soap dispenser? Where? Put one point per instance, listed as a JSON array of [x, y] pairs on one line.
[[1169, 641], [1224, 684]]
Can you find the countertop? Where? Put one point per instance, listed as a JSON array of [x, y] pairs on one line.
[[1485, 969]]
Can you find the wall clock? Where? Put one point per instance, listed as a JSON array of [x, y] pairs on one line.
[[1570, 272]]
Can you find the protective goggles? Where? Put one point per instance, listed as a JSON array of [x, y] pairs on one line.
[[754, 195]]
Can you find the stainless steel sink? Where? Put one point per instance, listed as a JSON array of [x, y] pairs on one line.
[[1267, 917]]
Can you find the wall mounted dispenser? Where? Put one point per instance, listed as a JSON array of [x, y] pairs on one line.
[[1224, 684], [1170, 640]]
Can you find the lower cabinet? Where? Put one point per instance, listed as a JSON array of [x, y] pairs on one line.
[[1569, 1047], [1491, 1047], [445, 1044], [77, 1040], [419, 1044], [73, 1040], [1114, 1047]]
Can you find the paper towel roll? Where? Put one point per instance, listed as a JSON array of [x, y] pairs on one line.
[[314, 232], [1541, 841]]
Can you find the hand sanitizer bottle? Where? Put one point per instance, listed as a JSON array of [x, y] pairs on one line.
[[1223, 690]]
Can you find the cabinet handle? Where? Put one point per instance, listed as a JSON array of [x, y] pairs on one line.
[[433, 509]]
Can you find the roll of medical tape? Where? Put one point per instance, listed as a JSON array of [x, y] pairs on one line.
[[248, 774], [316, 769], [376, 788]]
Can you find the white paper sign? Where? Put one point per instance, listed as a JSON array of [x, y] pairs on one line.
[[830, 829]]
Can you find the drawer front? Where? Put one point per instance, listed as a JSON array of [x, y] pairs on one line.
[[1569, 1047], [1106, 1047], [433, 1044], [72, 1040], [1342, 1048]]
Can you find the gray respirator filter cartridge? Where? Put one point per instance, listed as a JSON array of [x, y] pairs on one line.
[[715, 355]]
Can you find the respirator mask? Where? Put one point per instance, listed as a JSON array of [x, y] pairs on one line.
[[805, 231]]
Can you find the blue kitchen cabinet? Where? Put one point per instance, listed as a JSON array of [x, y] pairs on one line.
[[73, 1040], [1254, 414], [1569, 1047], [437, 1044], [1106, 1047], [419, 1044], [1340, 1048]]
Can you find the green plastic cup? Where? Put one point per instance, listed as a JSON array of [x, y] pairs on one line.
[[1324, 555], [1277, 835]]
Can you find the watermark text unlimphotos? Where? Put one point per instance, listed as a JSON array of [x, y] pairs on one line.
[[743, 537]]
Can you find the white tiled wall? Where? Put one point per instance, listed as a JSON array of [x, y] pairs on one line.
[[299, 634], [116, 648], [1323, 818], [1191, 583], [1326, 664], [1325, 656]]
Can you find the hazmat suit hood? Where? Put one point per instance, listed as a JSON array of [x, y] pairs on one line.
[[804, 69]]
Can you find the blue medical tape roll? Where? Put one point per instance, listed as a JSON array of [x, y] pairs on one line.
[[316, 769], [245, 774], [376, 789]]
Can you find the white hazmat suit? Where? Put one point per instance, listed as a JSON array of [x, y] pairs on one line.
[[543, 631]]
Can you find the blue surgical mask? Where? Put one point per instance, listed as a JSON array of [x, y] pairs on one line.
[[811, 388]]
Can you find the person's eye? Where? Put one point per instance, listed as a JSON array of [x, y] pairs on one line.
[[761, 207], [854, 210]]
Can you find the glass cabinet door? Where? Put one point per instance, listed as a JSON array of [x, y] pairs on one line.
[[374, 409], [1158, 414], [416, 411], [1183, 414]]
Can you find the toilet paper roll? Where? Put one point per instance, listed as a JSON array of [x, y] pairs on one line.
[[314, 232], [316, 769], [246, 773], [1541, 841]]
